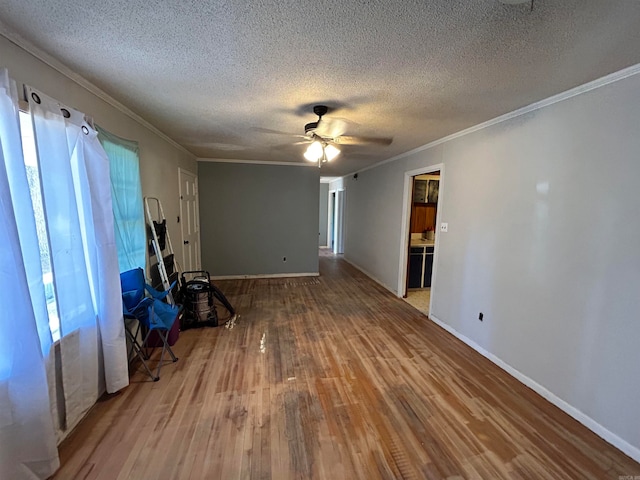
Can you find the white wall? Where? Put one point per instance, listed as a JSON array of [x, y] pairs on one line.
[[337, 184], [543, 239]]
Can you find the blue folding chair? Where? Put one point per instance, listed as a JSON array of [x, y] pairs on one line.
[[152, 313]]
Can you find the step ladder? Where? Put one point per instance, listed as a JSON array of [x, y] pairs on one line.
[[161, 248]]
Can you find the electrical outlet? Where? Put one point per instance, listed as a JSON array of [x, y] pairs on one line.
[[481, 316], [444, 227]]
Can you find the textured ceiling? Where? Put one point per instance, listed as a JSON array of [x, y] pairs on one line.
[[215, 75]]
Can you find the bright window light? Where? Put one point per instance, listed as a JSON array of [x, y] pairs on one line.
[[33, 176]]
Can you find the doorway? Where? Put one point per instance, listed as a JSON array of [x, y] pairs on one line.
[[189, 220], [421, 214]]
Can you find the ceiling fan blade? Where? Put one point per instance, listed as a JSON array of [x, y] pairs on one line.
[[351, 140], [218, 146], [277, 132], [281, 146], [331, 127]]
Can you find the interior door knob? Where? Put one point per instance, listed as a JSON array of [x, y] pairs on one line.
[[186, 242]]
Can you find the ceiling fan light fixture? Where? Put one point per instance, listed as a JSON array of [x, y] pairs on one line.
[[331, 152], [314, 152]]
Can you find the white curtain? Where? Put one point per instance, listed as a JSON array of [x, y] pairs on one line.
[[27, 439], [74, 172]]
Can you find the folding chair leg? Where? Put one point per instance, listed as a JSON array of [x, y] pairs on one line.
[[165, 347], [135, 346], [144, 342], [166, 342], [161, 354]]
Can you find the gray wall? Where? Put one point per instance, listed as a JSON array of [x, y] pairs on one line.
[[543, 239], [323, 217], [252, 216]]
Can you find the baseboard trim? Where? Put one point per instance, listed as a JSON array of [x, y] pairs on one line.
[[368, 274], [265, 275], [581, 417]]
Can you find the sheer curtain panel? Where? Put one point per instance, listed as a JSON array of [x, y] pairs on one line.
[[27, 438], [76, 193], [126, 195]]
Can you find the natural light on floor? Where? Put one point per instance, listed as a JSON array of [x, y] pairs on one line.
[[31, 164]]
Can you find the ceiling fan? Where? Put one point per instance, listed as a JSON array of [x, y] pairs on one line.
[[325, 136]]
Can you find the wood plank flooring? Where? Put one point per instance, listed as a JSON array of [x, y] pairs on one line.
[[331, 377]]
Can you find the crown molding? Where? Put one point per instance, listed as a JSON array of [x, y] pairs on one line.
[[61, 68], [560, 97], [256, 162]]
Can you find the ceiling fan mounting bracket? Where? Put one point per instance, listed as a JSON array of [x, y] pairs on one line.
[[320, 110]]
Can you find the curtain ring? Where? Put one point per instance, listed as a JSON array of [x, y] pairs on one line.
[[36, 98], [85, 130], [65, 113]]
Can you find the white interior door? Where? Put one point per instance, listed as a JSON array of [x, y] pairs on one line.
[[189, 220]]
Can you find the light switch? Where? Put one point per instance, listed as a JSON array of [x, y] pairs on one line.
[[444, 227]]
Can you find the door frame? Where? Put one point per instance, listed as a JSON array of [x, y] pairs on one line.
[[404, 231], [339, 220], [329, 218], [198, 252]]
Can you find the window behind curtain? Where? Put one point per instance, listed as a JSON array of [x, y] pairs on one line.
[[33, 177], [126, 193], [127, 207]]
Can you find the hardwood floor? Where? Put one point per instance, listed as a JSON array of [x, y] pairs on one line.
[[331, 377]]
